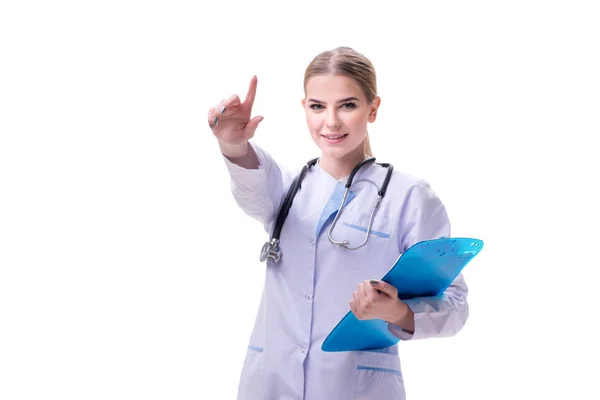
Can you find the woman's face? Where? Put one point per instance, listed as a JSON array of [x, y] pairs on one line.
[[337, 114]]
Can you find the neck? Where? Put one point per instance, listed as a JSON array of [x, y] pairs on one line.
[[341, 167]]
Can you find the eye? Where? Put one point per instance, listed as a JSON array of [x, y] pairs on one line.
[[316, 106], [350, 105]]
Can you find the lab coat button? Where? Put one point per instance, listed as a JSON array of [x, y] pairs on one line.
[[312, 242], [307, 297], [303, 350]]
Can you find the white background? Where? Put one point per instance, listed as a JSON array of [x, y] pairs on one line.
[[128, 272]]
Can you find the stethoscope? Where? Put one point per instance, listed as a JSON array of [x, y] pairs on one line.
[[271, 248]]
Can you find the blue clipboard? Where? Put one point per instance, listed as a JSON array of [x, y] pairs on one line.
[[425, 269]]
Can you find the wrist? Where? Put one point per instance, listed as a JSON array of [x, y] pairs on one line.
[[403, 317], [233, 151]]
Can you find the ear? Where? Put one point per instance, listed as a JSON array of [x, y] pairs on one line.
[[303, 103], [373, 109]]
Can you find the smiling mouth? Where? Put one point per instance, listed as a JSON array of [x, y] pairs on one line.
[[335, 137]]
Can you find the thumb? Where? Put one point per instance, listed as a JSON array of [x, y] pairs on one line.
[[385, 287], [252, 125]]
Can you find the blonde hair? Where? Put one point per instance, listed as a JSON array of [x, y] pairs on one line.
[[347, 62]]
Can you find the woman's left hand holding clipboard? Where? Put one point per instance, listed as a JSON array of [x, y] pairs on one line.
[[375, 299]]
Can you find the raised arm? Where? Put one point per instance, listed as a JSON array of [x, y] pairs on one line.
[[257, 181]]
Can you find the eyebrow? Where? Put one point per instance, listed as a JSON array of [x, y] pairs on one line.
[[339, 101]]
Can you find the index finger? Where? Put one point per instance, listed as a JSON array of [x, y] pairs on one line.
[[249, 100]]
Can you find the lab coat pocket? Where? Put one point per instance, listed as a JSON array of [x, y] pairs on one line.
[[356, 228], [250, 382], [353, 228], [378, 375]]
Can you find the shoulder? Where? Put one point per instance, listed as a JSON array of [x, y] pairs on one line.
[[420, 213], [410, 195], [404, 185]]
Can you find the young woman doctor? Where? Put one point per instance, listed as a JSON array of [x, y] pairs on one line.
[[323, 273]]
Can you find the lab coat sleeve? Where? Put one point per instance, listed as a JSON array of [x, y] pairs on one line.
[[424, 217], [258, 192]]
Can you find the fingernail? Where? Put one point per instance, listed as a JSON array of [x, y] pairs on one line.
[[223, 110], [216, 121], [374, 283]]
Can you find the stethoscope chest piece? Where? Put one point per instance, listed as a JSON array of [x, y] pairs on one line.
[[270, 250]]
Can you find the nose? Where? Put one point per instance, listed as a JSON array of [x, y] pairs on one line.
[[333, 120]]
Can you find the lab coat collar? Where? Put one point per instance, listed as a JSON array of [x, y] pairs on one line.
[[333, 204]]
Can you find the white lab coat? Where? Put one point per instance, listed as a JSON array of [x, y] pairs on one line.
[[307, 292]]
